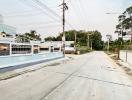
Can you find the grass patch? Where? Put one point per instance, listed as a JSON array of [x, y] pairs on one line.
[[83, 49]]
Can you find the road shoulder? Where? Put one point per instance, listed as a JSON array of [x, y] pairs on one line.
[[18, 72], [126, 67]]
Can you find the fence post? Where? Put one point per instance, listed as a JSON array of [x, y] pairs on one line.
[[126, 55], [118, 51]]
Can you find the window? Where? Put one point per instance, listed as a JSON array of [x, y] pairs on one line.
[[21, 49]]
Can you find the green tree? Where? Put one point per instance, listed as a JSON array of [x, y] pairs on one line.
[[129, 20], [120, 27], [96, 39], [28, 36], [50, 38], [125, 23], [81, 38]]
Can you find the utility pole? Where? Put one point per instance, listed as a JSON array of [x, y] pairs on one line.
[[88, 40], [65, 7], [109, 37], [91, 45], [75, 41], [108, 45]]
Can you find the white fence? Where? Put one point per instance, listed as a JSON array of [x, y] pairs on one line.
[[126, 56]]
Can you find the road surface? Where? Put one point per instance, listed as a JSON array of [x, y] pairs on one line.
[[91, 76]]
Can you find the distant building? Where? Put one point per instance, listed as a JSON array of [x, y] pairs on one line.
[[55, 46], [9, 30], [13, 44], [1, 19], [51, 46], [6, 30]]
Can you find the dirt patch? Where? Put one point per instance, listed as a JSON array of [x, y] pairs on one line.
[[129, 73], [125, 68], [54, 64]]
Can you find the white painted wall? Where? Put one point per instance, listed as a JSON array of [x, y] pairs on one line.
[[129, 56]]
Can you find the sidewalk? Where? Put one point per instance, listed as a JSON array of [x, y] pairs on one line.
[[17, 72], [126, 66]]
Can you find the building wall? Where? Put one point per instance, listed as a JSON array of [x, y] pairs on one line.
[[4, 49], [7, 29], [21, 49], [1, 19]]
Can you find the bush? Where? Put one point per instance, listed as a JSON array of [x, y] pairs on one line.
[[83, 49]]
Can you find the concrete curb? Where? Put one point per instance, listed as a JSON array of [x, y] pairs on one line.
[[126, 66]]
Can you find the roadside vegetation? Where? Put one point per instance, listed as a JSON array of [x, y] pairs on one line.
[[85, 40], [32, 35], [123, 29]]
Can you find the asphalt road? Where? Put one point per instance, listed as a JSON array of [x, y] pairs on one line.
[[91, 76]]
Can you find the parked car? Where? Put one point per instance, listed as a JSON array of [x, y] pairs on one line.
[[70, 50]]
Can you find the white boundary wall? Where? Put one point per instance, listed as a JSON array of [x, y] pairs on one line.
[[126, 55]]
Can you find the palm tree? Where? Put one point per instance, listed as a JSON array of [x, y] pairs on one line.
[[118, 30], [121, 18], [127, 24], [128, 11], [120, 26]]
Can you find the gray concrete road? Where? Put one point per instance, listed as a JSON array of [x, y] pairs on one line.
[[91, 76]]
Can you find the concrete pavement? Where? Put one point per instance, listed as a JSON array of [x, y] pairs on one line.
[[92, 76]]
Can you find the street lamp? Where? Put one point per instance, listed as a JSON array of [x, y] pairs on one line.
[[88, 39], [109, 37], [121, 31]]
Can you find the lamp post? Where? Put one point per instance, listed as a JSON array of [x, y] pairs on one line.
[[109, 37], [91, 45], [88, 40]]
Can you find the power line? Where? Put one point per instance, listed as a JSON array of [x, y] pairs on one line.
[[81, 11], [50, 10], [68, 1], [42, 5], [43, 8], [24, 14], [38, 26], [40, 9], [77, 14], [46, 22], [46, 7]]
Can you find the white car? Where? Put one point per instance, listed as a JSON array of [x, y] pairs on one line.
[[70, 50]]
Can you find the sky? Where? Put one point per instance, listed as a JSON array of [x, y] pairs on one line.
[[87, 15]]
